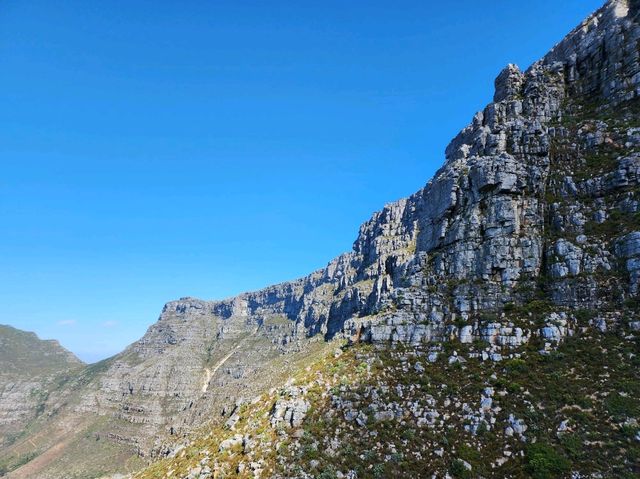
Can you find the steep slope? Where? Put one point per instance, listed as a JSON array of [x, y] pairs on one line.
[[378, 412], [528, 234], [30, 369], [515, 271]]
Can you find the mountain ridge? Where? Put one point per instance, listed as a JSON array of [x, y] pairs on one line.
[[31, 369], [510, 75], [531, 218]]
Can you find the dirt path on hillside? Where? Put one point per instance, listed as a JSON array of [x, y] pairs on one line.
[[208, 373]]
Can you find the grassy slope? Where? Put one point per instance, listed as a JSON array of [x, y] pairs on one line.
[[592, 381]]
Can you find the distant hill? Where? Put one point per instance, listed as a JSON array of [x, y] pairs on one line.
[[22, 352], [30, 369]]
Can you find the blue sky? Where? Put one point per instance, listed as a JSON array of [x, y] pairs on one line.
[[153, 150]]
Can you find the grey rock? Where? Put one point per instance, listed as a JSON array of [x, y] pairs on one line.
[[291, 409], [230, 443]]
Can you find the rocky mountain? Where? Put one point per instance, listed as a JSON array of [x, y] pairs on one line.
[[488, 323]]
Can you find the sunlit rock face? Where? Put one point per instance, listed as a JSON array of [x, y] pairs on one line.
[[512, 204]]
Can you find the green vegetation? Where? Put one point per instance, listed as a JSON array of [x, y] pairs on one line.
[[622, 406], [600, 160], [277, 320], [616, 224], [545, 462], [459, 471], [592, 383], [13, 463]]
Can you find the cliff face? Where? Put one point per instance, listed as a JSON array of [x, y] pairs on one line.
[[534, 216], [538, 196]]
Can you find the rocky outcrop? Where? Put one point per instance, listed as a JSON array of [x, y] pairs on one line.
[[290, 409]]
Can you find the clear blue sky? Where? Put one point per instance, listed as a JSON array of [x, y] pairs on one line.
[[158, 149]]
